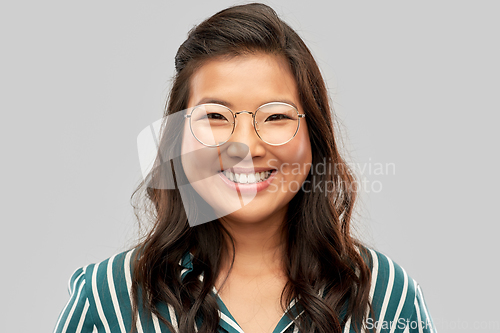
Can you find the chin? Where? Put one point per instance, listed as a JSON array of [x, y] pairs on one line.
[[249, 214]]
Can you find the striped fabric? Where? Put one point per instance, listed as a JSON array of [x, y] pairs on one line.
[[100, 301]]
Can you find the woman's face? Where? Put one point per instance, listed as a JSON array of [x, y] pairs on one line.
[[246, 83]]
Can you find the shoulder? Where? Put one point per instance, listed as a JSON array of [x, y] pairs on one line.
[[396, 298], [110, 275], [99, 296], [108, 284], [390, 282]]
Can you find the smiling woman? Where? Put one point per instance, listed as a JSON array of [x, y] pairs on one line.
[[241, 241]]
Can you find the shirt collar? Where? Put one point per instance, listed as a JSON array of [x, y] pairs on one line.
[[226, 319], [187, 264]]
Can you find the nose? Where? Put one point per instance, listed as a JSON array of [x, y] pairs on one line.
[[244, 138]]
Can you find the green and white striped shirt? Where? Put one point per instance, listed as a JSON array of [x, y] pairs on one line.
[[100, 301]]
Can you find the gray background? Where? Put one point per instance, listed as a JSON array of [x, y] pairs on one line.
[[413, 84]]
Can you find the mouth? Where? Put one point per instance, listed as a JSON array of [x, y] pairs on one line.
[[249, 177]]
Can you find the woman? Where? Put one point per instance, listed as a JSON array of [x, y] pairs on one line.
[[249, 235]]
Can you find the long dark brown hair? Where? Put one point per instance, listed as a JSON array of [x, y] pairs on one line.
[[320, 250]]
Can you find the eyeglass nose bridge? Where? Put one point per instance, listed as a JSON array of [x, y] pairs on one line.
[[247, 112], [244, 111]]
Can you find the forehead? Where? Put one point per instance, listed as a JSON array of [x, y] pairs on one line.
[[244, 81]]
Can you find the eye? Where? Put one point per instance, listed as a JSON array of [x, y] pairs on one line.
[[215, 116], [277, 116]]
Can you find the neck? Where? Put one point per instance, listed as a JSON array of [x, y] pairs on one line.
[[258, 246]]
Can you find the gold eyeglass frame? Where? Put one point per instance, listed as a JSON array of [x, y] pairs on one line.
[[235, 114]]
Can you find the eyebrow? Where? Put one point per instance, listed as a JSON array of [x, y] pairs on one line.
[[229, 105]]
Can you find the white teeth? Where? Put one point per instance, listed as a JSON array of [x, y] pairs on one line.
[[251, 178], [247, 178], [243, 178]]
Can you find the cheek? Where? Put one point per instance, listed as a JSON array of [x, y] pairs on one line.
[[188, 141], [303, 146], [298, 155], [198, 161], [188, 150]]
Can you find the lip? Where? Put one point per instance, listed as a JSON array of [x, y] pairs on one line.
[[248, 170], [248, 188]]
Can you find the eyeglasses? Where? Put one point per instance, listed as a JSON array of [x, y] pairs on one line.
[[275, 123]]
